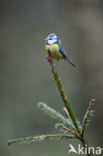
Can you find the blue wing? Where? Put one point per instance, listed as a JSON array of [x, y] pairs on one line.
[[61, 50]]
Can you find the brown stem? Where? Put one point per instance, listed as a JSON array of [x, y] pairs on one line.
[[66, 111], [71, 131], [85, 144]]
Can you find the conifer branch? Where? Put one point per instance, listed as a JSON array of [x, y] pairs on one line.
[[70, 127], [56, 115], [32, 139], [88, 115], [63, 95]]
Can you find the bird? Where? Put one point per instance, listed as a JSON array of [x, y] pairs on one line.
[[54, 48]]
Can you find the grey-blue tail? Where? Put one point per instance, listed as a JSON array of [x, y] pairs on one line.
[[70, 61]]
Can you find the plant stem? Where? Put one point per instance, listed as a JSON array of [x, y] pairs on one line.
[[79, 134], [63, 95], [85, 144]]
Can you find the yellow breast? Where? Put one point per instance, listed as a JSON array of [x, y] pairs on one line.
[[54, 51]]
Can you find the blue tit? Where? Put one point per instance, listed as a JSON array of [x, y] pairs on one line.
[[53, 47]]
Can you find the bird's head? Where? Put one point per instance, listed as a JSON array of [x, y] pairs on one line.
[[51, 39]]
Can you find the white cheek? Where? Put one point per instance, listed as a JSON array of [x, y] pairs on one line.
[[52, 41]]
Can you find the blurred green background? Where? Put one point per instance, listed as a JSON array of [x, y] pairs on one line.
[[25, 76]]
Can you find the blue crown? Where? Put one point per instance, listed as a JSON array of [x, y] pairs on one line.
[[52, 35]]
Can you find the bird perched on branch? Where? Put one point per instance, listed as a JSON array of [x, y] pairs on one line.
[[54, 48]]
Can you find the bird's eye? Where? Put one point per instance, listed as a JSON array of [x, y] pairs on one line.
[[50, 38]]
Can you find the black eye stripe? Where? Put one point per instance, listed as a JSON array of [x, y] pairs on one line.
[[52, 38]]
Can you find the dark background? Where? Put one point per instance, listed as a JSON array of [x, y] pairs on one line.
[[25, 76]]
